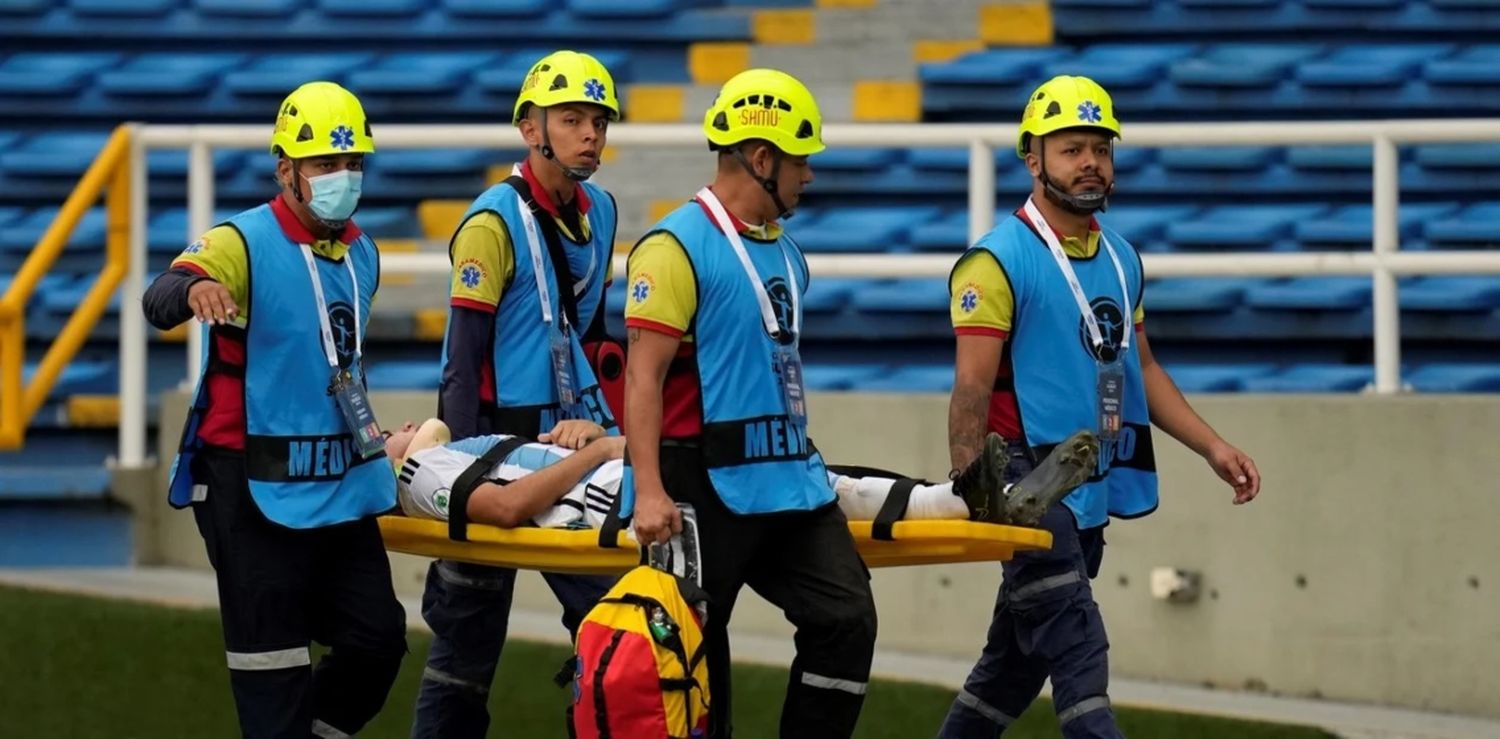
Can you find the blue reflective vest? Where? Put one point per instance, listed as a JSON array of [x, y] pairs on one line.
[[758, 459], [1056, 366], [525, 391], [303, 466]]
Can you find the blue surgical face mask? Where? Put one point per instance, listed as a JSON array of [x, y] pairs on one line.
[[335, 196]]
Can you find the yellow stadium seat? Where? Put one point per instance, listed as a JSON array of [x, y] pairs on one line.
[[430, 324], [93, 411], [440, 218], [1019, 24], [783, 27], [888, 101], [714, 62]]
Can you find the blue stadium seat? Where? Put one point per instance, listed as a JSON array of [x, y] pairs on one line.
[[1314, 378], [173, 163], [1476, 225], [1369, 65], [1143, 225], [1471, 66], [830, 295], [167, 231], [404, 375], [52, 155], [20, 236], [1451, 294], [60, 299], [53, 74], [504, 77], [1352, 226], [911, 379], [1355, 4], [139, 8], [498, 8], [248, 8], [418, 73], [1472, 155], [858, 159], [1456, 378], [168, 74], [1143, 4], [1345, 158], [1120, 66], [910, 295], [1241, 65], [10, 214], [372, 8], [628, 8], [1217, 378], [25, 7], [948, 233], [1196, 294], [1240, 226], [992, 66], [864, 229], [81, 377], [1219, 158], [279, 74], [840, 377], [419, 162], [1311, 293], [390, 222]]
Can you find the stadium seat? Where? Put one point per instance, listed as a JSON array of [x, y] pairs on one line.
[[279, 74], [139, 8], [52, 74], [864, 229], [418, 73], [1144, 225], [1119, 66], [627, 8], [910, 295], [1218, 158], [25, 7], [167, 232], [1196, 294], [1472, 155], [1475, 225], [419, 162], [52, 154], [389, 222], [1239, 226], [1452, 294], [1217, 378], [372, 8], [1317, 158], [168, 74], [20, 236], [1456, 378], [1311, 293], [858, 159], [1471, 66], [830, 295], [1352, 226], [840, 377], [992, 67], [247, 8], [1313, 378], [499, 8], [80, 377], [1369, 65]]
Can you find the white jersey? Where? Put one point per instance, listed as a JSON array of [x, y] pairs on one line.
[[426, 479]]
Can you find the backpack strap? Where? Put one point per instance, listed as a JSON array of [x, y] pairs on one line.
[[469, 479]]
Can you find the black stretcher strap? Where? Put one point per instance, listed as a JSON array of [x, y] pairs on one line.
[[470, 478]]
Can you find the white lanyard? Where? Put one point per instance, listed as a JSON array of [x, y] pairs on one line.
[[534, 242], [1095, 336], [330, 348], [767, 313]]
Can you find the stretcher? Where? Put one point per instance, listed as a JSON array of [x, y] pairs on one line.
[[577, 551]]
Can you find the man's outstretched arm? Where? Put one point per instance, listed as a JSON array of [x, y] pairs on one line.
[[514, 504]]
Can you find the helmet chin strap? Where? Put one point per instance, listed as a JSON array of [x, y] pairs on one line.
[[576, 174], [767, 183], [1082, 204]]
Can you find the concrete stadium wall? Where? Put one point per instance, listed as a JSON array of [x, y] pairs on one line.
[[1362, 573]]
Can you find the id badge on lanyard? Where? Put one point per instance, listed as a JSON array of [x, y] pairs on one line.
[[785, 358], [793, 390], [353, 403], [559, 333], [1110, 387]]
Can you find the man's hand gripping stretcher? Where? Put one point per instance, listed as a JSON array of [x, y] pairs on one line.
[[570, 476]]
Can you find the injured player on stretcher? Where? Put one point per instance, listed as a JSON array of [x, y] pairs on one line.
[[569, 478]]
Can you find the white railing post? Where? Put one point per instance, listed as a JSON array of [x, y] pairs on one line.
[[1387, 308], [200, 219], [981, 189], [132, 453]]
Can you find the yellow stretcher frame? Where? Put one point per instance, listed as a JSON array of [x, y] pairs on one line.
[[577, 551]]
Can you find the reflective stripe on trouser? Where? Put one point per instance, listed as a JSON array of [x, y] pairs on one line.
[[852, 687], [1077, 710], [467, 606], [322, 729], [1045, 624], [972, 702], [278, 659]]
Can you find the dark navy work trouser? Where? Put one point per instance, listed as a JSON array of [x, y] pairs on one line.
[[1046, 624]]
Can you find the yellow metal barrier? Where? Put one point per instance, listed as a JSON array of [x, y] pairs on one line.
[[111, 172]]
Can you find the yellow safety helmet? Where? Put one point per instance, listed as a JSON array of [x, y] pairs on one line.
[[318, 119], [567, 77], [765, 104], [1066, 102]]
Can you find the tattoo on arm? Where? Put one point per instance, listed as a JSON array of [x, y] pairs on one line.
[[632, 335], [968, 411]]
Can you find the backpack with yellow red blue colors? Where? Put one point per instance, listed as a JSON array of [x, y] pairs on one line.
[[640, 669]]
